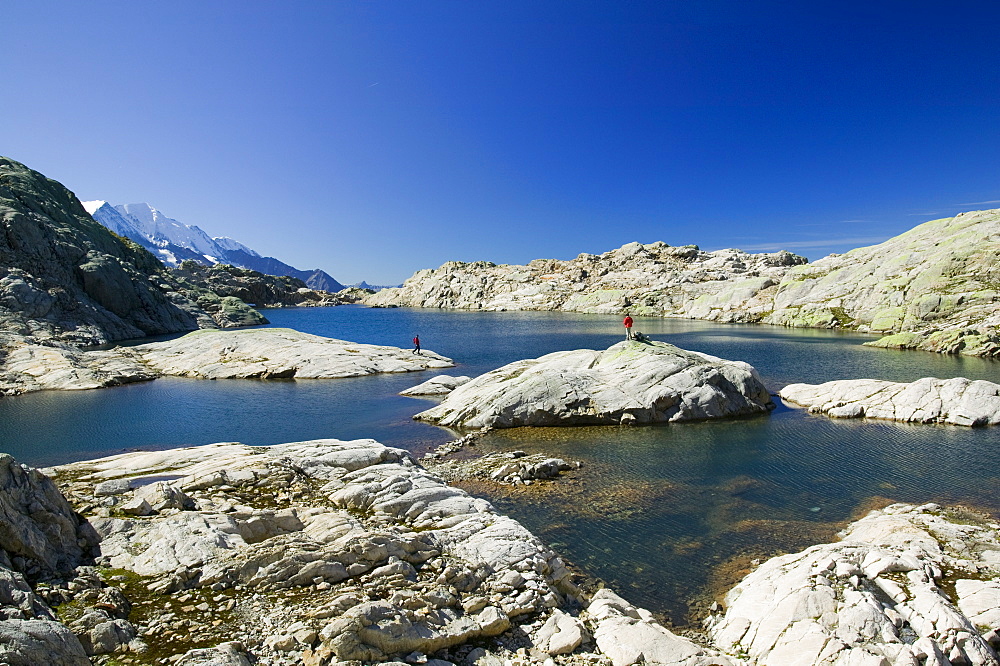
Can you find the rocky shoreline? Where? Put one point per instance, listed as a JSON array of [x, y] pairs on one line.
[[270, 353], [318, 552], [327, 552], [932, 288]]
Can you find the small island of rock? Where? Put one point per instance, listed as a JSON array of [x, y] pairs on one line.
[[958, 401], [629, 383], [277, 353]]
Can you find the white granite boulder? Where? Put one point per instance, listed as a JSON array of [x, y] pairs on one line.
[[629, 383], [38, 643], [958, 401], [876, 597], [440, 385], [560, 634], [630, 635], [38, 528], [226, 654]]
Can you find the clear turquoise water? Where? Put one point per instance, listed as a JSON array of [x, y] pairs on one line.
[[661, 513]]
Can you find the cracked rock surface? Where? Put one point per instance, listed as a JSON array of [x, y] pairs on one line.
[[345, 550], [629, 383], [934, 287], [958, 401], [277, 353], [326, 552], [891, 593]]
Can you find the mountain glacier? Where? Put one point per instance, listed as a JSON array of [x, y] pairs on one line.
[[173, 242]]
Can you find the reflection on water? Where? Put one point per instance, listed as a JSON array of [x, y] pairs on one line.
[[661, 513]]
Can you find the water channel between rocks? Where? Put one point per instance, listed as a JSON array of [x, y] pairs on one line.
[[667, 515]]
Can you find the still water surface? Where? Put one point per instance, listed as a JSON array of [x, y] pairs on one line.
[[665, 514]]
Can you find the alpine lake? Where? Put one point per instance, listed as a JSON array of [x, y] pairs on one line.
[[669, 516]]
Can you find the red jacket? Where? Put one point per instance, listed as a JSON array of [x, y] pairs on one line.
[[416, 341], [628, 322]]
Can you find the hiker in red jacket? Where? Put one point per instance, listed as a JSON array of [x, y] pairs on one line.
[[416, 345], [628, 327]]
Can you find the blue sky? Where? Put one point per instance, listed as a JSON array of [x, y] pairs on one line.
[[372, 139]]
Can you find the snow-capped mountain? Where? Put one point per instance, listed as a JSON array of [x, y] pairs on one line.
[[113, 220], [233, 245], [159, 228], [173, 242]]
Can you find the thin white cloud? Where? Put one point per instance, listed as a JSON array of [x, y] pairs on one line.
[[796, 245], [979, 203], [826, 225]]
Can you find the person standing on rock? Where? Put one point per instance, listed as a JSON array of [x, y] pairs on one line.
[[416, 344], [628, 326]]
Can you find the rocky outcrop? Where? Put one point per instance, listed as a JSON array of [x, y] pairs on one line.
[[439, 385], [64, 277], [957, 401], [354, 294], [901, 588], [271, 353], [932, 282], [40, 537], [40, 534], [629, 383], [981, 341], [66, 281], [31, 367], [654, 279], [391, 560], [937, 284], [252, 287], [630, 635], [276, 353], [327, 551]]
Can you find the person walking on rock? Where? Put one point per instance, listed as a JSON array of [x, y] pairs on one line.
[[416, 345], [628, 326]]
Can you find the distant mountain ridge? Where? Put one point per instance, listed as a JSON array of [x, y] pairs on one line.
[[173, 242], [935, 287]]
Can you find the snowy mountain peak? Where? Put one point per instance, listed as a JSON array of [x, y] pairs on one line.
[[92, 206], [233, 245], [174, 242], [159, 228], [111, 218]]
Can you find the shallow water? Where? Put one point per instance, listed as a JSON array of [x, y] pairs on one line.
[[661, 513]]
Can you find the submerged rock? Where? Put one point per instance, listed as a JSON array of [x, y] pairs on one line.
[[957, 401], [629, 383]]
